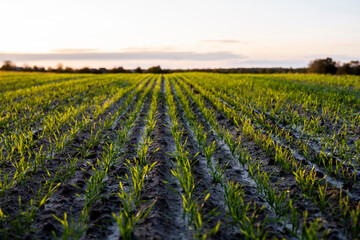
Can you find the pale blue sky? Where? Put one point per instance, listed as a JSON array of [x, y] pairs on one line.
[[178, 34]]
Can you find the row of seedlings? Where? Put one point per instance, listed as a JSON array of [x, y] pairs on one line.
[[245, 215], [36, 125], [111, 155], [279, 200], [25, 155], [307, 135], [193, 213], [133, 209], [53, 174], [345, 211], [349, 174], [24, 105], [17, 220], [10, 81]]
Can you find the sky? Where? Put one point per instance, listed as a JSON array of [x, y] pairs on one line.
[[178, 34]]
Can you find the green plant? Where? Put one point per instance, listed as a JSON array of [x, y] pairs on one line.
[[311, 230], [307, 180], [242, 214], [128, 216], [70, 231]]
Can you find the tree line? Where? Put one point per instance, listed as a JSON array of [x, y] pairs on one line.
[[10, 66], [322, 66], [329, 66]]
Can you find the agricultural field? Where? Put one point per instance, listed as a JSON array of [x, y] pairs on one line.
[[179, 156]]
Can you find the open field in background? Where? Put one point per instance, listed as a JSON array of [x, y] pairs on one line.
[[179, 156]]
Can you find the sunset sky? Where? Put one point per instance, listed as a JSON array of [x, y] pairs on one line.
[[178, 34]]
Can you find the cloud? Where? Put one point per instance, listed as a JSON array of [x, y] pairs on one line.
[[272, 63], [345, 45], [336, 57], [224, 41], [129, 55], [75, 50], [147, 49]]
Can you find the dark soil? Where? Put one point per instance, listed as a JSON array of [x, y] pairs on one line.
[[281, 179], [165, 220]]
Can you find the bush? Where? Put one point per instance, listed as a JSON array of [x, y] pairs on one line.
[[138, 70], [352, 67], [326, 65], [156, 69], [8, 66]]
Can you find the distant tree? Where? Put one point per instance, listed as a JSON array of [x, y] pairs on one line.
[[355, 65], [84, 70], [352, 67], [138, 70], [326, 65], [344, 69], [27, 68], [41, 69], [155, 69], [68, 70], [8, 66], [59, 68], [118, 70]]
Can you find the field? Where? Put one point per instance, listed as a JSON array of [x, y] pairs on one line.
[[179, 156]]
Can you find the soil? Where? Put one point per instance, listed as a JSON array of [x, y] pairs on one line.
[[165, 220], [285, 181]]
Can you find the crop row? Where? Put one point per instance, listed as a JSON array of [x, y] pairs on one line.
[[312, 186], [190, 155]]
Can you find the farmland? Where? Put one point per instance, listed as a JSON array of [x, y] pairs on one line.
[[179, 156]]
